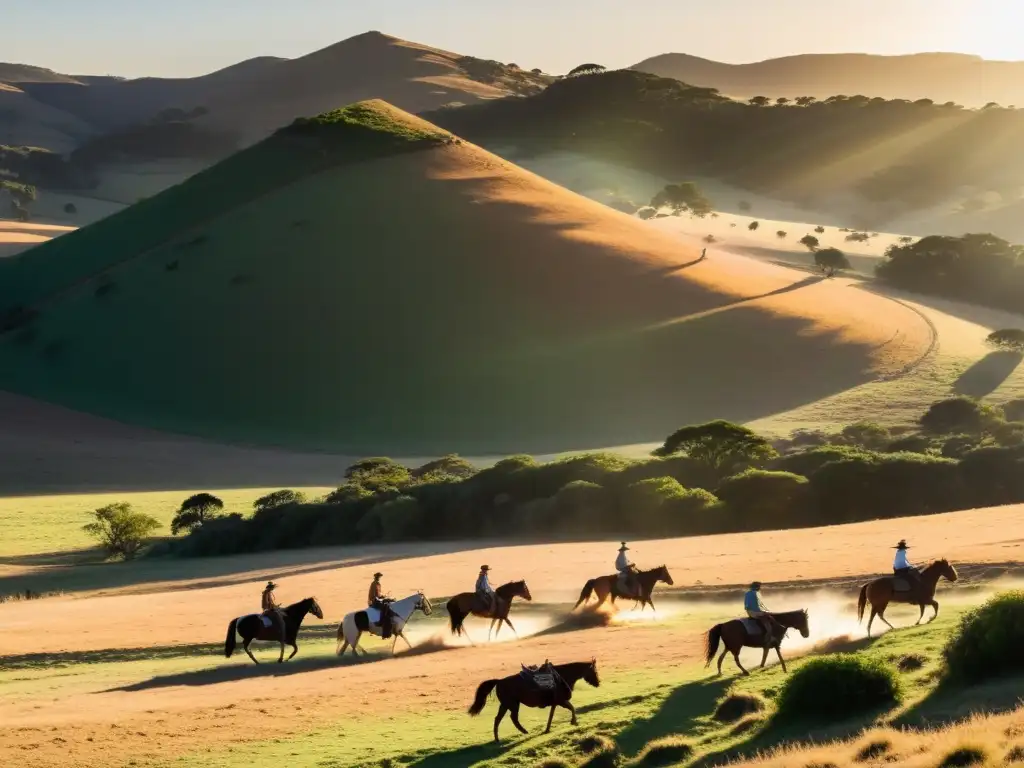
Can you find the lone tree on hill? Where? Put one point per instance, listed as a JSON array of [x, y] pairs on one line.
[[120, 529], [782, 101], [753, 225], [195, 511], [819, 229], [830, 260], [781, 234], [720, 444], [683, 197], [759, 101], [1007, 338], [810, 242], [586, 69]]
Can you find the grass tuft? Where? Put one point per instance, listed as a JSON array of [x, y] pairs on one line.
[[1015, 755], [874, 750], [911, 662], [737, 706], [964, 756], [663, 752]]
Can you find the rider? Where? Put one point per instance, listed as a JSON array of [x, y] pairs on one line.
[[376, 599], [272, 609], [626, 569], [484, 590], [757, 610], [901, 566]]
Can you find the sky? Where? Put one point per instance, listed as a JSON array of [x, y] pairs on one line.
[[135, 38]]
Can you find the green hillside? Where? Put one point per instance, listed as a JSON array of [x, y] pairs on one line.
[[330, 288]]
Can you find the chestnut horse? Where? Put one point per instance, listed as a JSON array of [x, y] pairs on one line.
[[735, 637], [252, 627], [881, 592], [467, 604], [515, 690], [605, 586]]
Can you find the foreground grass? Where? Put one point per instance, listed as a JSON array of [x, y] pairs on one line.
[[44, 525]]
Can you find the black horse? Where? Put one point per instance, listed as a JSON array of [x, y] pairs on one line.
[[251, 628], [515, 690]]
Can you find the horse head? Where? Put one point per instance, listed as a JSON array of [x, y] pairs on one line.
[[946, 569], [517, 589], [424, 604], [590, 675], [314, 607], [802, 623], [664, 575]]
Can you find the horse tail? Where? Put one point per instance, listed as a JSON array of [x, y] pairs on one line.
[[229, 642], [455, 616], [862, 603], [482, 692], [588, 590], [711, 643]]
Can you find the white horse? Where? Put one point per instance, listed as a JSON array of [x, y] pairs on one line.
[[368, 620]]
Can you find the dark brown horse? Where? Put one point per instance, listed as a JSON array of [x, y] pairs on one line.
[[608, 586], [881, 592], [467, 604], [735, 637], [515, 691], [251, 628]]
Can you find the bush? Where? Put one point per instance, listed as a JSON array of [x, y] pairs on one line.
[[957, 415], [395, 520], [70, 208], [582, 505], [873, 750], [736, 706], [121, 530], [838, 687], [760, 498], [988, 640], [753, 225], [810, 242], [646, 213], [820, 230], [964, 756], [782, 234], [993, 475], [195, 511], [666, 751], [278, 499], [1014, 409], [1007, 338]]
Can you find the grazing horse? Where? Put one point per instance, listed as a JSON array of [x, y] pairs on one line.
[[253, 627], [516, 690], [881, 592], [605, 586], [735, 636], [465, 604], [354, 624]]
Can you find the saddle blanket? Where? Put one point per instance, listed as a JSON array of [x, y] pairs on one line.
[[900, 585], [753, 626], [544, 680], [372, 616], [265, 619]]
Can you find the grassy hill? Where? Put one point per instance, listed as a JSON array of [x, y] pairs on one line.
[[968, 80], [363, 281]]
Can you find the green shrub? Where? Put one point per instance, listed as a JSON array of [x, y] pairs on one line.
[[736, 706], [583, 505], [763, 498], [837, 687], [988, 640], [196, 511], [666, 751], [120, 529], [1014, 409], [953, 416], [278, 499]]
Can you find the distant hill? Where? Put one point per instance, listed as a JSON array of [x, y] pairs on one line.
[[967, 80], [17, 74]]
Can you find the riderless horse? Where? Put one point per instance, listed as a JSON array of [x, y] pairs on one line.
[[897, 589], [354, 624], [256, 627], [608, 586], [527, 688], [749, 633], [466, 604]]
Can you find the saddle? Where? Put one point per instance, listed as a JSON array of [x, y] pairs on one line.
[[904, 583], [628, 585], [542, 677]]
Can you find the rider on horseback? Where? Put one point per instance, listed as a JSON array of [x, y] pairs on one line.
[[627, 571], [757, 610], [902, 567], [376, 599], [484, 591], [272, 610]]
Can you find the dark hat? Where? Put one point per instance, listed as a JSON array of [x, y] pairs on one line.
[[623, 547], [902, 545], [485, 567], [270, 585], [377, 575], [755, 585]]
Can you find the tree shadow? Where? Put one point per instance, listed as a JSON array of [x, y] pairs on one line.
[[458, 758], [948, 703], [678, 713], [988, 374]]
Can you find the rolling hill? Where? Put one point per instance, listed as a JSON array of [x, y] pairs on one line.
[[366, 282], [967, 80]]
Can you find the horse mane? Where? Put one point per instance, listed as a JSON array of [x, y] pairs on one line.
[[791, 614], [510, 584]]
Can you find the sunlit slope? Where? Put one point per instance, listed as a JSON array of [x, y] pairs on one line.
[[422, 301]]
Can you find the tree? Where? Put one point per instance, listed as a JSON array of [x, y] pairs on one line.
[[195, 511], [378, 474], [1007, 338], [120, 529], [753, 226], [683, 197], [805, 101], [586, 69], [760, 101], [647, 212], [819, 229], [809, 241], [763, 499], [451, 464], [830, 260], [782, 101], [781, 234], [719, 444], [278, 499]]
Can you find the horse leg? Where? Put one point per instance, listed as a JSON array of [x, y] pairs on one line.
[[721, 658], [651, 603], [497, 719], [551, 716], [736, 656], [514, 712], [498, 630], [934, 604], [871, 618], [921, 617], [489, 630], [245, 645], [764, 658], [881, 615], [295, 649], [782, 661], [344, 647], [568, 705], [511, 627], [404, 638]]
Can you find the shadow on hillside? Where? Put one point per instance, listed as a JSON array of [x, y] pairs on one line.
[[862, 265], [678, 713], [949, 703], [459, 758], [988, 374]]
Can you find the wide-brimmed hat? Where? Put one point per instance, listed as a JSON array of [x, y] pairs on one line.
[[485, 567], [623, 547], [755, 585], [270, 585], [377, 575], [902, 545]]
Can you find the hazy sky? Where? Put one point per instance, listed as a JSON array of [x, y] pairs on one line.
[[189, 37]]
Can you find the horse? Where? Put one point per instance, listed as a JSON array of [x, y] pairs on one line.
[[253, 627], [605, 586], [515, 690], [883, 591], [354, 624], [735, 636], [465, 604]]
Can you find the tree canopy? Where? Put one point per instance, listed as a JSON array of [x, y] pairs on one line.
[[195, 511], [719, 444], [830, 260], [120, 529], [586, 69], [685, 196]]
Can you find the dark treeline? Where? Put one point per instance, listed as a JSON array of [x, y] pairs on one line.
[[673, 128], [707, 478]]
